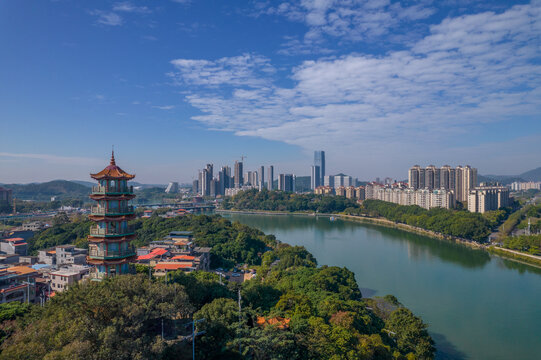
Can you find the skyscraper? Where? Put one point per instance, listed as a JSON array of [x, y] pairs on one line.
[[239, 180], [286, 182], [270, 181], [261, 178], [319, 160], [315, 177]]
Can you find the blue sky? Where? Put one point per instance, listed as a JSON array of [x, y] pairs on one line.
[[379, 85]]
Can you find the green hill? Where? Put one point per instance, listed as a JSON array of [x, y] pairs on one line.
[[532, 175], [62, 189]]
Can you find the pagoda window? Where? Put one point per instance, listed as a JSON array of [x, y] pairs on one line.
[[102, 224], [113, 247]]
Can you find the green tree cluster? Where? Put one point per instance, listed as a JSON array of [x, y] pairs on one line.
[[529, 243], [286, 201], [459, 223], [319, 311]]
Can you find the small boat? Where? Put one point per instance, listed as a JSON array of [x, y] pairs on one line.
[[332, 218]]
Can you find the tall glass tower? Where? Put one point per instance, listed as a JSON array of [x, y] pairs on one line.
[[319, 160]]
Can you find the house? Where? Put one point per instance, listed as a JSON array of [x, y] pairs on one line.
[[63, 278], [15, 245], [162, 268], [17, 283]]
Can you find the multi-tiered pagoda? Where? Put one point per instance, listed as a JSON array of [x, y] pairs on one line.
[[109, 248]]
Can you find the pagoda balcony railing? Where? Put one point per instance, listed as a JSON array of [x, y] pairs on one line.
[[111, 254], [99, 189], [97, 231], [98, 210]]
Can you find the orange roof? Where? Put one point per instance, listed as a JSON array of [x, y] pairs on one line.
[[152, 254], [172, 266], [112, 172], [279, 321], [14, 239], [22, 270], [51, 252], [183, 257]]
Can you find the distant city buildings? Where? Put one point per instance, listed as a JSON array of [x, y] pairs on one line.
[[270, 181], [522, 186], [317, 173], [286, 182], [6, 198], [460, 180], [239, 181], [488, 197], [172, 188], [402, 195]]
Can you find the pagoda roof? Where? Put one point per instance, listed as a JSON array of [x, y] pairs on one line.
[[112, 171]]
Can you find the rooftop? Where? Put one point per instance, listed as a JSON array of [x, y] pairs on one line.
[[112, 171], [172, 266]]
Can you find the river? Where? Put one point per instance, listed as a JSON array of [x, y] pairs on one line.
[[477, 306]]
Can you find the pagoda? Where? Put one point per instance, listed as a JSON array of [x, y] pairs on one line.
[[109, 248]]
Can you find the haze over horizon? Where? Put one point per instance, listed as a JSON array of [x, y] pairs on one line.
[[380, 85]]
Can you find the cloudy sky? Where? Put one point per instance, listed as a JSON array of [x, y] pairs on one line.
[[380, 85]]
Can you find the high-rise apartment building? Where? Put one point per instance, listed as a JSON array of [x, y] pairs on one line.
[[319, 160], [315, 177], [487, 198], [286, 182], [460, 179], [239, 180], [270, 181], [172, 188], [466, 180]]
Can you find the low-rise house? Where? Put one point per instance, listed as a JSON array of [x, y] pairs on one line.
[[6, 259], [18, 283], [63, 278], [14, 245], [69, 254], [162, 268]]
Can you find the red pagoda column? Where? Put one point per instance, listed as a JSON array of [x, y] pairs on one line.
[[109, 248]]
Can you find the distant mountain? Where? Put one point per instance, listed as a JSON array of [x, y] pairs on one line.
[[82, 182], [62, 189], [532, 175]]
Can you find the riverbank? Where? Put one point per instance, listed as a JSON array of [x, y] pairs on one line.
[[377, 221], [502, 252]]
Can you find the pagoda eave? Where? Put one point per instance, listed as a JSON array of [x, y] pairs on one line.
[[99, 239], [110, 262], [98, 197], [111, 217]]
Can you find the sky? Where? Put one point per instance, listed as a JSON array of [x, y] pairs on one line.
[[379, 85]]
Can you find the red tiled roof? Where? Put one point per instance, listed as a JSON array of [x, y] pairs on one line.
[[172, 266], [112, 172], [14, 239], [152, 254], [183, 257]]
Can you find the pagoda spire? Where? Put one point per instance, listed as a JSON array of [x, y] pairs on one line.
[[113, 156]]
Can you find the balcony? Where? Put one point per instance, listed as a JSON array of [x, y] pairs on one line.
[[109, 190], [101, 211], [95, 253], [97, 231]]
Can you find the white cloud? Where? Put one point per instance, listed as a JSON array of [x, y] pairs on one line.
[[246, 69], [128, 7], [351, 20], [107, 18], [468, 71], [164, 107]]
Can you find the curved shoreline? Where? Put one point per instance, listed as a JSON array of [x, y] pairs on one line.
[[493, 250]]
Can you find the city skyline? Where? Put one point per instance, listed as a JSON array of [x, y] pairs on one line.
[[378, 85]]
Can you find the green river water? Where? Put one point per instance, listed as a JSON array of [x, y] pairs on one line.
[[477, 306]]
